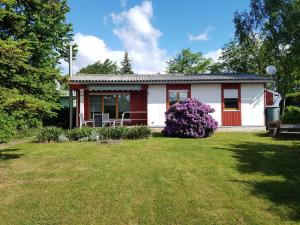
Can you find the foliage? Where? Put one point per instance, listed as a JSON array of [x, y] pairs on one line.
[[25, 108], [291, 115], [78, 134], [107, 67], [126, 65], [138, 132], [61, 119], [33, 37], [49, 134], [190, 119], [275, 24], [243, 58], [293, 99], [7, 127], [187, 62]]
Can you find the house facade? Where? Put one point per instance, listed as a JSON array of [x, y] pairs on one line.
[[238, 99]]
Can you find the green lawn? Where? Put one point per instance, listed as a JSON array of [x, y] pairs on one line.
[[230, 178]]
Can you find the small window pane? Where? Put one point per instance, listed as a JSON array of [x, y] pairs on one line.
[[124, 105], [172, 98], [231, 103], [95, 104], [182, 96], [230, 93], [110, 105]]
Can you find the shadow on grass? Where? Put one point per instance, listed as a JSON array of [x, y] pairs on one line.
[[273, 160], [5, 154], [282, 136]]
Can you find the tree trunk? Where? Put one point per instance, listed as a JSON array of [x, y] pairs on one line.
[[283, 106]]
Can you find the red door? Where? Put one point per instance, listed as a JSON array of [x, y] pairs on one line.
[[231, 105]]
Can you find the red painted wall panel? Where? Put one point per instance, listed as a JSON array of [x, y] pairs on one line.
[[86, 105], [231, 118], [138, 102], [77, 107], [269, 98]]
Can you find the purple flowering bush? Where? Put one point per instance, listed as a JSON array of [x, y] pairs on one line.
[[190, 119]]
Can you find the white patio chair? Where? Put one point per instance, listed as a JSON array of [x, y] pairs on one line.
[[102, 119], [84, 122]]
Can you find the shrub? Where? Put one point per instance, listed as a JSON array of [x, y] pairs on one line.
[[77, 134], [293, 99], [7, 127], [190, 119], [138, 132], [48, 134], [291, 115]]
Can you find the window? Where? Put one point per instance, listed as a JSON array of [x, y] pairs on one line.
[[231, 99], [177, 96], [95, 105], [114, 104], [110, 105], [123, 105]]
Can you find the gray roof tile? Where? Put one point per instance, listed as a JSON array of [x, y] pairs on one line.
[[168, 78]]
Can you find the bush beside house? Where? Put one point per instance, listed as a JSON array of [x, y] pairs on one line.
[[190, 119], [8, 127], [54, 134], [291, 115]]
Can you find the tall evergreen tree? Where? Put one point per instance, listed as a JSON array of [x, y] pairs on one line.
[[34, 35], [126, 65]]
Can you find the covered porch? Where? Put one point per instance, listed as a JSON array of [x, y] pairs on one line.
[[123, 104]]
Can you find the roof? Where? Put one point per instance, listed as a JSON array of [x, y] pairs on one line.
[[167, 78]]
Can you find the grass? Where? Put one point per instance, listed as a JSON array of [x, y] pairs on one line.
[[230, 178]]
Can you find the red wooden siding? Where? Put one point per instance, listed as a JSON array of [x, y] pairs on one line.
[[77, 107], [86, 105], [77, 86], [138, 102], [231, 117], [177, 87], [269, 98]]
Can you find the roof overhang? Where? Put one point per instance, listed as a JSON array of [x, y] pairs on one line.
[[92, 80]]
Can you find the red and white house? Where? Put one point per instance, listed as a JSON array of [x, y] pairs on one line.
[[238, 99]]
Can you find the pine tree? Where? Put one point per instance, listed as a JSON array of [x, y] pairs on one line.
[[126, 65]]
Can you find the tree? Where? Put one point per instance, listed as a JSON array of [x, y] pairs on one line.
[[126, 65], [187, 62], [33, 37], [107, 67], [276, 25], [242, 58]]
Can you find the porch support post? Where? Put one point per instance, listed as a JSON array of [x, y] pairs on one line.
[[81, 104]]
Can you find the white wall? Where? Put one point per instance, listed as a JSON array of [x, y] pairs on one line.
[[156, 105], [209, 94], [252, 104]]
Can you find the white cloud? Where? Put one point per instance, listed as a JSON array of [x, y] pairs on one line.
[[138, 36], [214, 55], [90, 50], [135, 31], [203, 36]]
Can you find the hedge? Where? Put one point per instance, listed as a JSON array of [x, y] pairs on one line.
[[291, 115], [55, 134]]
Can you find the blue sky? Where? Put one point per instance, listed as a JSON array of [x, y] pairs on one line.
[[151, 31]]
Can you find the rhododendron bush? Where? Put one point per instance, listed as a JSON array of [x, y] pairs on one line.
[[190, 119]]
